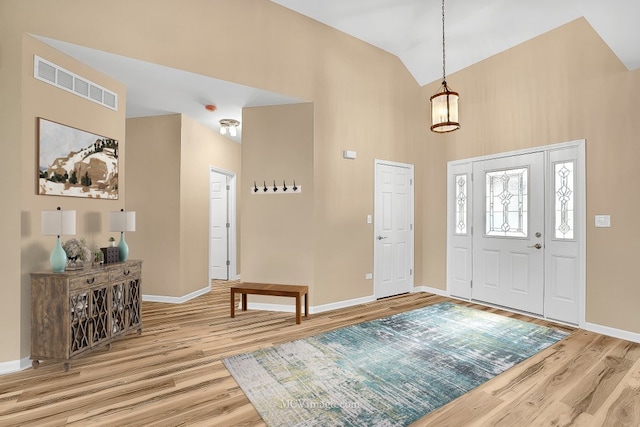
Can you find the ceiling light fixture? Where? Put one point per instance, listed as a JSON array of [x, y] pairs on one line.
[[444, 104], [229, 126]]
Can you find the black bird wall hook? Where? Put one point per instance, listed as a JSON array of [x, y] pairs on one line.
[[275, 188], [265, 189], [295, 188], [284, 185], [255, 187]]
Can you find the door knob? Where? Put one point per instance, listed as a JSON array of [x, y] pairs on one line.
[[537, 246], [380, 237]]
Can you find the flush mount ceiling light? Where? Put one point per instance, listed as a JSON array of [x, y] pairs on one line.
[[444, 104], [229, 126]]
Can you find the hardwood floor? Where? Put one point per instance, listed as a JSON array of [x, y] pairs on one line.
[[172, 375]]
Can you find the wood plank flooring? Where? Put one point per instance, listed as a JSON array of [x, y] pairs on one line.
[[172, 375]]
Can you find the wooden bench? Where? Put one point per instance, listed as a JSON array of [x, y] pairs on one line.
[[296, 291]]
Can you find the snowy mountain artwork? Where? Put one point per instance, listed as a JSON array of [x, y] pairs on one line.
[[72, 162]]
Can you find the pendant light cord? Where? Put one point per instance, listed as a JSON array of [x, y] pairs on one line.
[[444, 74]]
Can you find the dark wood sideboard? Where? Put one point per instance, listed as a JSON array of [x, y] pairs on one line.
[[77, 311]]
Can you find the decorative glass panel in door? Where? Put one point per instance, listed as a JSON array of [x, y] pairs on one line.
[[563, 178], [461, 204], [506, 203]]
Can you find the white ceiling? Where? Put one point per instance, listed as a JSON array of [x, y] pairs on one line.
[[474, 29], [154, 90], [409, 29]]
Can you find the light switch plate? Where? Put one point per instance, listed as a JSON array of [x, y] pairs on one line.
[[368, 276], [603, 220]]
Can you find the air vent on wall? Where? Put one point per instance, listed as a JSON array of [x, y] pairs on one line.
[[55, 75]]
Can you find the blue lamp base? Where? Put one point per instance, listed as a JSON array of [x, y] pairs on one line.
[[123, 248], [58, 257]]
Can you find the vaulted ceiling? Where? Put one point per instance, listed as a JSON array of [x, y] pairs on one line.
[[409, 29], [474, 29]]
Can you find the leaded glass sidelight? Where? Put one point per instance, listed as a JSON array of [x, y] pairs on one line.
[[461, 204], [506, 203], [563, 177]]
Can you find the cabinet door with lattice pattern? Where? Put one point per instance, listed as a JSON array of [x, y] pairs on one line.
[[133, 303], [99, 315], [80, 323]]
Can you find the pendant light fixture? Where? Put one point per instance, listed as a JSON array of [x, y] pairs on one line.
[[444, 104]]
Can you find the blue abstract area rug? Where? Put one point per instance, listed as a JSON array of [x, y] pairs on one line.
[[386, 372]]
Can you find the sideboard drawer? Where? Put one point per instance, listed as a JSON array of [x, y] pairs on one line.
[[93, 278], [124, 272]]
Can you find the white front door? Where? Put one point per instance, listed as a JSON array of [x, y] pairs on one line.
[[219, 226], [393, 238], [508, 238]]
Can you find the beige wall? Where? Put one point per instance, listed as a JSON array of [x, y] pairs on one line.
[[201, 149], [363, 100], [169, 190], [562, 86], [277, 238], [154, 149], [43, 100]]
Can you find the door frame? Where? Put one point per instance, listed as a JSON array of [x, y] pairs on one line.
[[465, 165], [231, 206], [409, 166]]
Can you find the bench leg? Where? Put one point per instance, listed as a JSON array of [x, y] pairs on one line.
[[306, 305], [233, 304], [298, 319], [244, 302]]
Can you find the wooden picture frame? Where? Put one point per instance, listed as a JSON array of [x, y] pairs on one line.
[[76, 163]]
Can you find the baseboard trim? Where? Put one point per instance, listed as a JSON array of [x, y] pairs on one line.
[[14, 366], [431, 291], [612, 332], [290, 308], [176, 300]]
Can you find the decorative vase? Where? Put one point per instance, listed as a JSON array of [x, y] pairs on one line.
[[123, 248], [58, 257]]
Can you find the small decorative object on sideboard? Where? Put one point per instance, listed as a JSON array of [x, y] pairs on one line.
[[98, 258], [77, 253], [110, 254], [112, 242]]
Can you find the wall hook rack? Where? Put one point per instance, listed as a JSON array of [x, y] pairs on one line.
[[275, 188]]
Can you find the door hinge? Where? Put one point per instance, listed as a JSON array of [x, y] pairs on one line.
[[410, 226], [228, 187], [228, 225], [471, 284], [410, 181], [228, 262], [411, 272]]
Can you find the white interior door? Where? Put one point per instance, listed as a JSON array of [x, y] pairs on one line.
[[393, 238], [219, 226], [508, 240]]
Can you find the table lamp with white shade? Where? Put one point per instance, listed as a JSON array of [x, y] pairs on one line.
[[58, 223], [122, 221]]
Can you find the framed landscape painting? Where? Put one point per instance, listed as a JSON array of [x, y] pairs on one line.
[[72, 162]]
